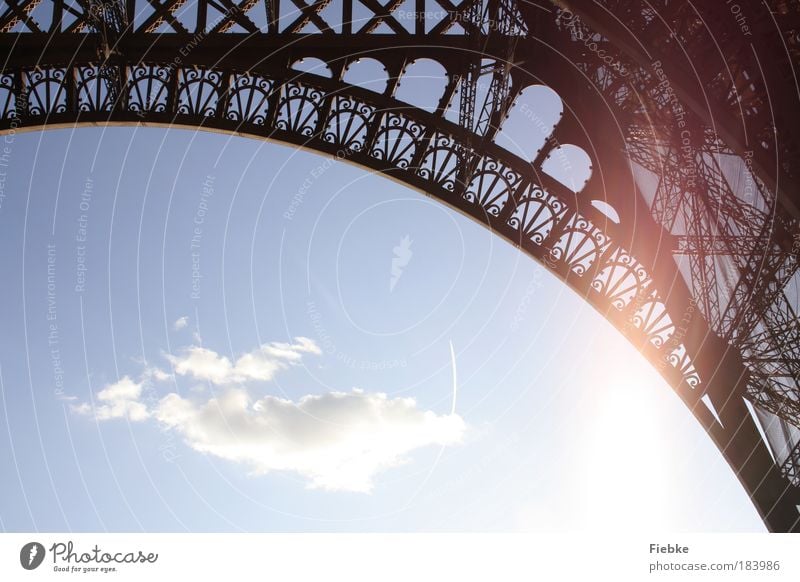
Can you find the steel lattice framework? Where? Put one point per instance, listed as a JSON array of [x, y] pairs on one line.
[[685, 112]]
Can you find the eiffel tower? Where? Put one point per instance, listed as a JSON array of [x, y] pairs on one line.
[[684, 232]]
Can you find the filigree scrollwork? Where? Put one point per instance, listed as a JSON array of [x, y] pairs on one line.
[[198, 92], [148, 88], [47, 94], [621, 279], [492, 185], [440, 162], [573, 243], [8, 100], [580, 245], [248, 99], [679, 359], [92, 89], [348, 123], [299, 108], [397, 139], [536, 214], [691, 377], [651, 317]]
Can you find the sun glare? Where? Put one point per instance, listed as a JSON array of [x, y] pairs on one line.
[[626, 480]]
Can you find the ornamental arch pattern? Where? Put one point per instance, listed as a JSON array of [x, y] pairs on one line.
[[662, 160]]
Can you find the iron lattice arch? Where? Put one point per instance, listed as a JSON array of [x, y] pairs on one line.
[[700, 277]]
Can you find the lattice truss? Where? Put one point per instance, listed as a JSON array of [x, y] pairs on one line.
[[730, 232], [735, 244], [397, 17]]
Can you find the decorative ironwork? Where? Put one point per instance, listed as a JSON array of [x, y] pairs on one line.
[[536, 214], [47, 91], [492, 185], [248, 100], [440, 163], [721, 209], [348, 123], [148, 88], [199, 92], [396, 140], [92, 90]]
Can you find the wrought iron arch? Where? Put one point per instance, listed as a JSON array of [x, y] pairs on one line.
[[108, 70]]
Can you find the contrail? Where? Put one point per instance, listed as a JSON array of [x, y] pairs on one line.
[[455, 380]]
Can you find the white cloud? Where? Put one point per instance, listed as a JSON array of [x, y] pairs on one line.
[[260, 364], [118, 400], [338, 441], [156, 374], [180, 323], [202, 363]]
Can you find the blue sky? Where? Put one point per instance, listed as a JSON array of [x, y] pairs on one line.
[[558, 423]]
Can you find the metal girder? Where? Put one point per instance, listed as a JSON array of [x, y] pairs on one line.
[[227, 66], [791, 468], [696, 94]]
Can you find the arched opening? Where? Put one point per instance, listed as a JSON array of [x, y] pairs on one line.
[[422, 84], [570, 165], [367, 73], [312, 65], [531, 120]]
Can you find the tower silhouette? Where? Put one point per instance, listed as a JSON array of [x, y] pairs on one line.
[[680, 117]]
